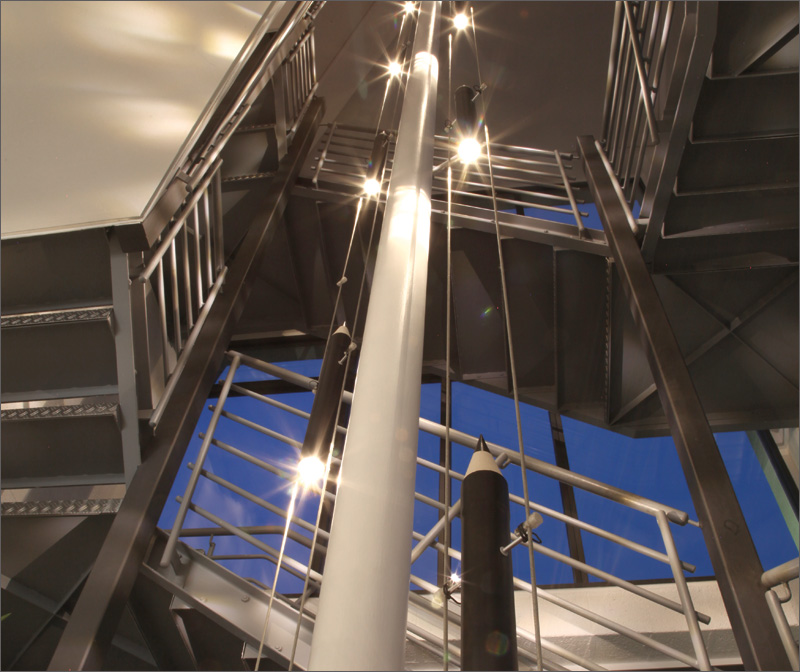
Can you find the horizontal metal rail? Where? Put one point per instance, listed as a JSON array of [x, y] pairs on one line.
[[288, 563], [781, 574], [270, 401], [255, 499], [260, 428], [585, 613], [586, 483]]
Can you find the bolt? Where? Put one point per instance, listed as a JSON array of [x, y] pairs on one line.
[[245, 598], [278, 647]]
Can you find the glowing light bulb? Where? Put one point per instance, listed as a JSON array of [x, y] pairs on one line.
[[395, 69], [460, 21], [372, 187], [469, 149], [455, 578], [409, 7], [310, 470]]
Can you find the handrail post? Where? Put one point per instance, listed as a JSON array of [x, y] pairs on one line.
[[166, 558], [643, 86], [703, 663]]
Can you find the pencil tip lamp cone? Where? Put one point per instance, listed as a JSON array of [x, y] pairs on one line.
[[488, 618]]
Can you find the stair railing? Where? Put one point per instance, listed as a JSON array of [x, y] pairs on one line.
[[776, 581], [660, 53], [525, 177], [187, 261], [642, 31], [194, 270], [663, 515]]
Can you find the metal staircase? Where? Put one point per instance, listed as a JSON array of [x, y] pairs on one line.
[[113, 339]]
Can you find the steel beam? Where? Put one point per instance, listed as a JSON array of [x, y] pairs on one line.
[[100, 606], [733, 554]]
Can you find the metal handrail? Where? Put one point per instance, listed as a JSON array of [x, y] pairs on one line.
[[660, 511], [189, 146], [771, 579], [632, 86]]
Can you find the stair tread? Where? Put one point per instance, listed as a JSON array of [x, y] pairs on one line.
[[99, 409], [48, 317]]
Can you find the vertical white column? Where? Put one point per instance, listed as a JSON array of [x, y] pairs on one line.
[[361, 623]]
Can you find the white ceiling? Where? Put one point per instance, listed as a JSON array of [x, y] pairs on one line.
[[97, 98]]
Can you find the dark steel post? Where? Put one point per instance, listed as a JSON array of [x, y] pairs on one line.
[[488, 618], [733, 555], [321, 423], [574, 538], [99, 608]]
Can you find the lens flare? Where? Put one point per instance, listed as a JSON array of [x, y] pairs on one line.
[[469, 149], [409, 7], [460, 21], [395, 69], [372, 187], [310, 470]]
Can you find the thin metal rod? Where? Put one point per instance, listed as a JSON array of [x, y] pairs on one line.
[[162, 318], [569, 520], [584, 613], [259, 428], [512, 201], [187, 282], [209, 233], [180, 518], [448, 510], [284, 374], [570, 195], [184, 213], [198, 269], [255, 499], [281, 555], [287, 561], [643, 86], [193, 532], [219, 231], [613, 67], [703, 663], [785, 632], [592, 485], [187, 350], [271, 402], [266, 466], [176, 304], [534, 599], [615, 580], [516, 148], [324, 153]]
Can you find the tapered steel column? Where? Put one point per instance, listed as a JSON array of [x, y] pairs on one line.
[[737, 568], [488, 619], [361, 622]]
